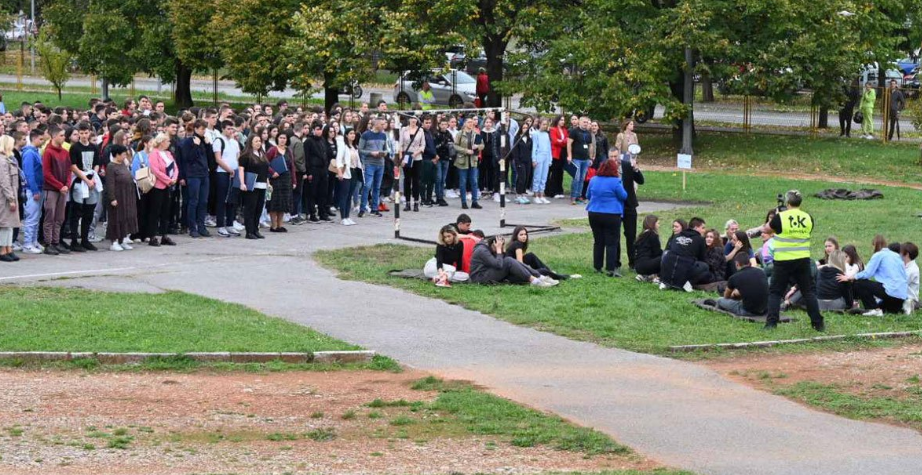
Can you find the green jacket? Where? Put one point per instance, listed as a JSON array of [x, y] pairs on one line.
[[868, 99], [467, 141]]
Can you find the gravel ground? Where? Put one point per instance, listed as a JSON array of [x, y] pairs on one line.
[[63, 422]]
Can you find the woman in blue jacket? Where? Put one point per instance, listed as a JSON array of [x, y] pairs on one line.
[[606, 205]]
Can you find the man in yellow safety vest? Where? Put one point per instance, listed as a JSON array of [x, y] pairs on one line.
[[792, 228]]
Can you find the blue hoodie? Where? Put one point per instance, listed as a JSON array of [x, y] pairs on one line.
[[32, 167]]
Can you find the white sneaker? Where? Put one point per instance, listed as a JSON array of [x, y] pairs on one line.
[[232, 231], [874, 313], [31, 250], [94, 238], [286, 217], [576, 276], [545, 201], [525, 201], [127, 240], [496, 197], [687, 287], [662, 286], [238, 226], [126, 246], [264, 224], [908, 307], [210, 222], [550, 280], [352, 221], [541, 283], [223, 232], [116, 247], [16, 246], [529, 193]]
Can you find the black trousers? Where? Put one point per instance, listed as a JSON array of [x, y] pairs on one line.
[[143, 205], [606, 240], [387, 180], [316, 193], [554, 184], [796, 272], [411, 181], [869, 291], [82, 215], [845, 121], [893, 123], [648, 266], [531, 260], [253, 203], [629, 223], [159, 205], [487, 173], [177, 207], [523, 176]]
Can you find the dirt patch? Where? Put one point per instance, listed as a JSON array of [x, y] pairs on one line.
[[891, 372], [66, 422]]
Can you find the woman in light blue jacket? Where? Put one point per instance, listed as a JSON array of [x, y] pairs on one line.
[[141, 159], [541, 161]]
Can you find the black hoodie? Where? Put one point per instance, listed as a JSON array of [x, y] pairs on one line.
[[315, 153], [689, 244]]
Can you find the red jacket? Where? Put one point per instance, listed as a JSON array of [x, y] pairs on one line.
[[483, 84], [55, 168], [559, 138]]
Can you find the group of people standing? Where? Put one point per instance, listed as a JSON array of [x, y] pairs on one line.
[[866, 101]]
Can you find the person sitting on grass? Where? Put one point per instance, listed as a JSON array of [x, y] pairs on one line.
[[463, 224], [830, 244], [747, 290], [889, 283], [468, 241], [730, 228], [683, 266], [739, 244], [648, 251], [518, 250], [489, 265], [909, 252], [767, 252], [678, 226], [449, 254], [714, 257], [830, 293], [853, 262]]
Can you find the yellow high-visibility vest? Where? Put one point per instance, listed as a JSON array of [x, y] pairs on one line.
[[793, 242]]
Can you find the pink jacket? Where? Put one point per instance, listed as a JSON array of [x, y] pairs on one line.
[[158, 167]]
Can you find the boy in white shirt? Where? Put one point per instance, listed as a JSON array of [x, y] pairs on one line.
[[910, 252]]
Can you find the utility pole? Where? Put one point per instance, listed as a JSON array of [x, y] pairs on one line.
[[689, 98], [32, 33]]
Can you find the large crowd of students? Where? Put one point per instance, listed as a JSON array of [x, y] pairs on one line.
[[146, 175]]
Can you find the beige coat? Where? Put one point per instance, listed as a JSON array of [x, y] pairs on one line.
[[9, 192]]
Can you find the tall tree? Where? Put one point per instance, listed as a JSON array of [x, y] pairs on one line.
[[195, 41], [55, 62]]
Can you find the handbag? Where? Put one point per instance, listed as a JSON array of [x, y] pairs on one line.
[[407, 156], [145, 179], [859, 117]]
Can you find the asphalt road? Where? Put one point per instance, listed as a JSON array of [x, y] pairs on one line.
[[705, 112], [678, 413]]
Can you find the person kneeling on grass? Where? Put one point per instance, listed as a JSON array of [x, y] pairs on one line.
[[490, 266], [648, 251], [890, 284], [909, 252], [518, 250], [747, 290], [444, 267]]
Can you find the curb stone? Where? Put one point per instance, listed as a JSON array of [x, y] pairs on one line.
[[107, 358]]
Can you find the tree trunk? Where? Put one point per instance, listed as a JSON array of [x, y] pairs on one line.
[[330, 97], [707, 89], [59, 93], [105, 88], [495, 49], [823, 122], [182, 95]]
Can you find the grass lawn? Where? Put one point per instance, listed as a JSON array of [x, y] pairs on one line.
[[903, 405], [54, 319], [852, 159], [624, 313]]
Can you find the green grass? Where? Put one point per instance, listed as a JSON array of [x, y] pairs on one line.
[[851, 159], [624, 313], [461, 410], [902, 406], [56, 319]]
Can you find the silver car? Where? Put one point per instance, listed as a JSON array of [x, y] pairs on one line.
[[453, 88]]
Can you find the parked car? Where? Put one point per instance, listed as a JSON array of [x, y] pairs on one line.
[[908, 65], [20, 30], [470, 64], [453, 88]]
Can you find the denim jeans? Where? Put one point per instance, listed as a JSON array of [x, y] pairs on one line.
[[465, 178], [576, 188], [225, 212], [373, 176], [357, 190], [347, 187], [198, 203], [30, 225], [441, 174]]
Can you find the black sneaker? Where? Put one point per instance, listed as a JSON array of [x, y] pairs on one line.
[[378, 214], [76, 247], [820, 327], [362, 213], [62, 248], [416, 207], [205, 233], [476, 205], [88, 246], [463, 205], [442, 203], [770, 326], [314, 219], [51, 250]]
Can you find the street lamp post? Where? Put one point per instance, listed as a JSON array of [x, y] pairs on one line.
[[32, 43]]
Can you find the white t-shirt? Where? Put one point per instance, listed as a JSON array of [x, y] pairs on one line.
[[912, 276], [230, 154]]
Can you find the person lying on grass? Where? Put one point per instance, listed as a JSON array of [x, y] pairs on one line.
[[489, 265], [747, 290], [518, 250], [449, 254]]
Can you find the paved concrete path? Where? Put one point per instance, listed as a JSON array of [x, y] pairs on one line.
[[678, 413]]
